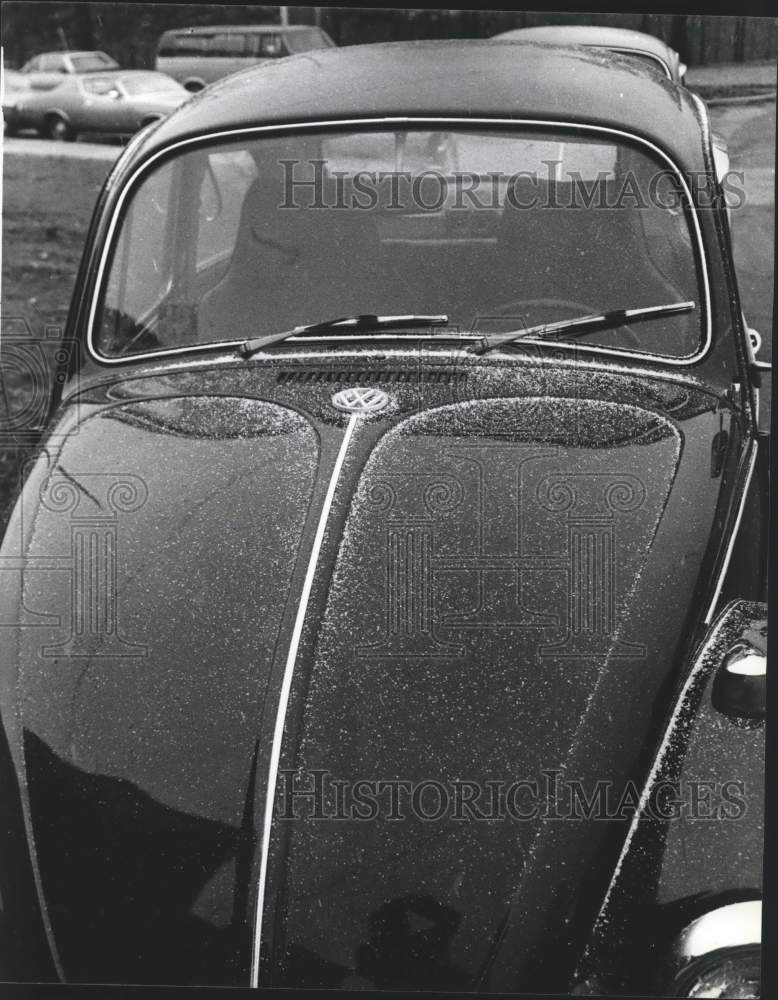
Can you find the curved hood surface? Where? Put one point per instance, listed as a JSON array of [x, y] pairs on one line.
[[505, 579]]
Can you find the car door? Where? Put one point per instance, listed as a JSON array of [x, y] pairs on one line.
[[100, 110]]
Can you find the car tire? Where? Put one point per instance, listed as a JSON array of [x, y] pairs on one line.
[[57, 129]]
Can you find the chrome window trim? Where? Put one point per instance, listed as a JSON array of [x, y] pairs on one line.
[[392, 122], [734, 532]]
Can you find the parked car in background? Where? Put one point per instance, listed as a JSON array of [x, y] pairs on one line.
[[108, 103], [47, 68], [198, 56], [14, 85], [626, 41], [449, 478]]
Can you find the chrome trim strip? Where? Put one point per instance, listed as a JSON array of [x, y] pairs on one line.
[[733, 534], [283, 700], [393, 121]]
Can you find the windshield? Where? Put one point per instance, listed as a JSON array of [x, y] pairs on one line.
[[93, 62], [497, 230], [150, 83]]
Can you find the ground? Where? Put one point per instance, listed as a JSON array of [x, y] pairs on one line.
[[49, 191], [750, 134]]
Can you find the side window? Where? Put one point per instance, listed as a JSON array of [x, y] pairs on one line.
[[52, 64], [226, 45], [134, 292], [271, 46], [227, 178], [191, 45]]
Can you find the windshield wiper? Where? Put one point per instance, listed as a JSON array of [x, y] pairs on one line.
[[351, 324], [582, 324]]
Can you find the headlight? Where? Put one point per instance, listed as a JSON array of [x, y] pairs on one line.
[[719, 954], [732, 974]]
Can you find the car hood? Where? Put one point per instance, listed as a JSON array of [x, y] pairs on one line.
[[497, 572], [163, 102]]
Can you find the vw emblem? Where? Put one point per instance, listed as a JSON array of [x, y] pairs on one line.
[[360, 399]]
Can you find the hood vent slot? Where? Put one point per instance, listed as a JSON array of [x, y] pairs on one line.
[[361, 377]]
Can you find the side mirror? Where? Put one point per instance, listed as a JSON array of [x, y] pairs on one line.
[[114, 94]]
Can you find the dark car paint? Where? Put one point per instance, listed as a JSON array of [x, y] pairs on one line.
[[87, 740], [449, 78], [676, 870], [127, 713]]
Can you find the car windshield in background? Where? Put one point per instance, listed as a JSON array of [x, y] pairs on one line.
[[497, 230], [151, 83], [95, 62]]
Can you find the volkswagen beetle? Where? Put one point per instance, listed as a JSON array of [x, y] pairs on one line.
[[383, 606]]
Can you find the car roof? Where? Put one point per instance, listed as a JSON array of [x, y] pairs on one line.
[[591, 34], [459, 78], [229, 29], [71, 52]]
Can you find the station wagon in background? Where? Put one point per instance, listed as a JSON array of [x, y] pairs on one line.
[[117, 103], [198, 56], [623, 40], [394, 444]]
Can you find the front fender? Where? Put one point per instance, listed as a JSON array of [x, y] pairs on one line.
[[696, 841]]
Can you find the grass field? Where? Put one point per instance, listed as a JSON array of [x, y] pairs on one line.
[[47, 205]]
